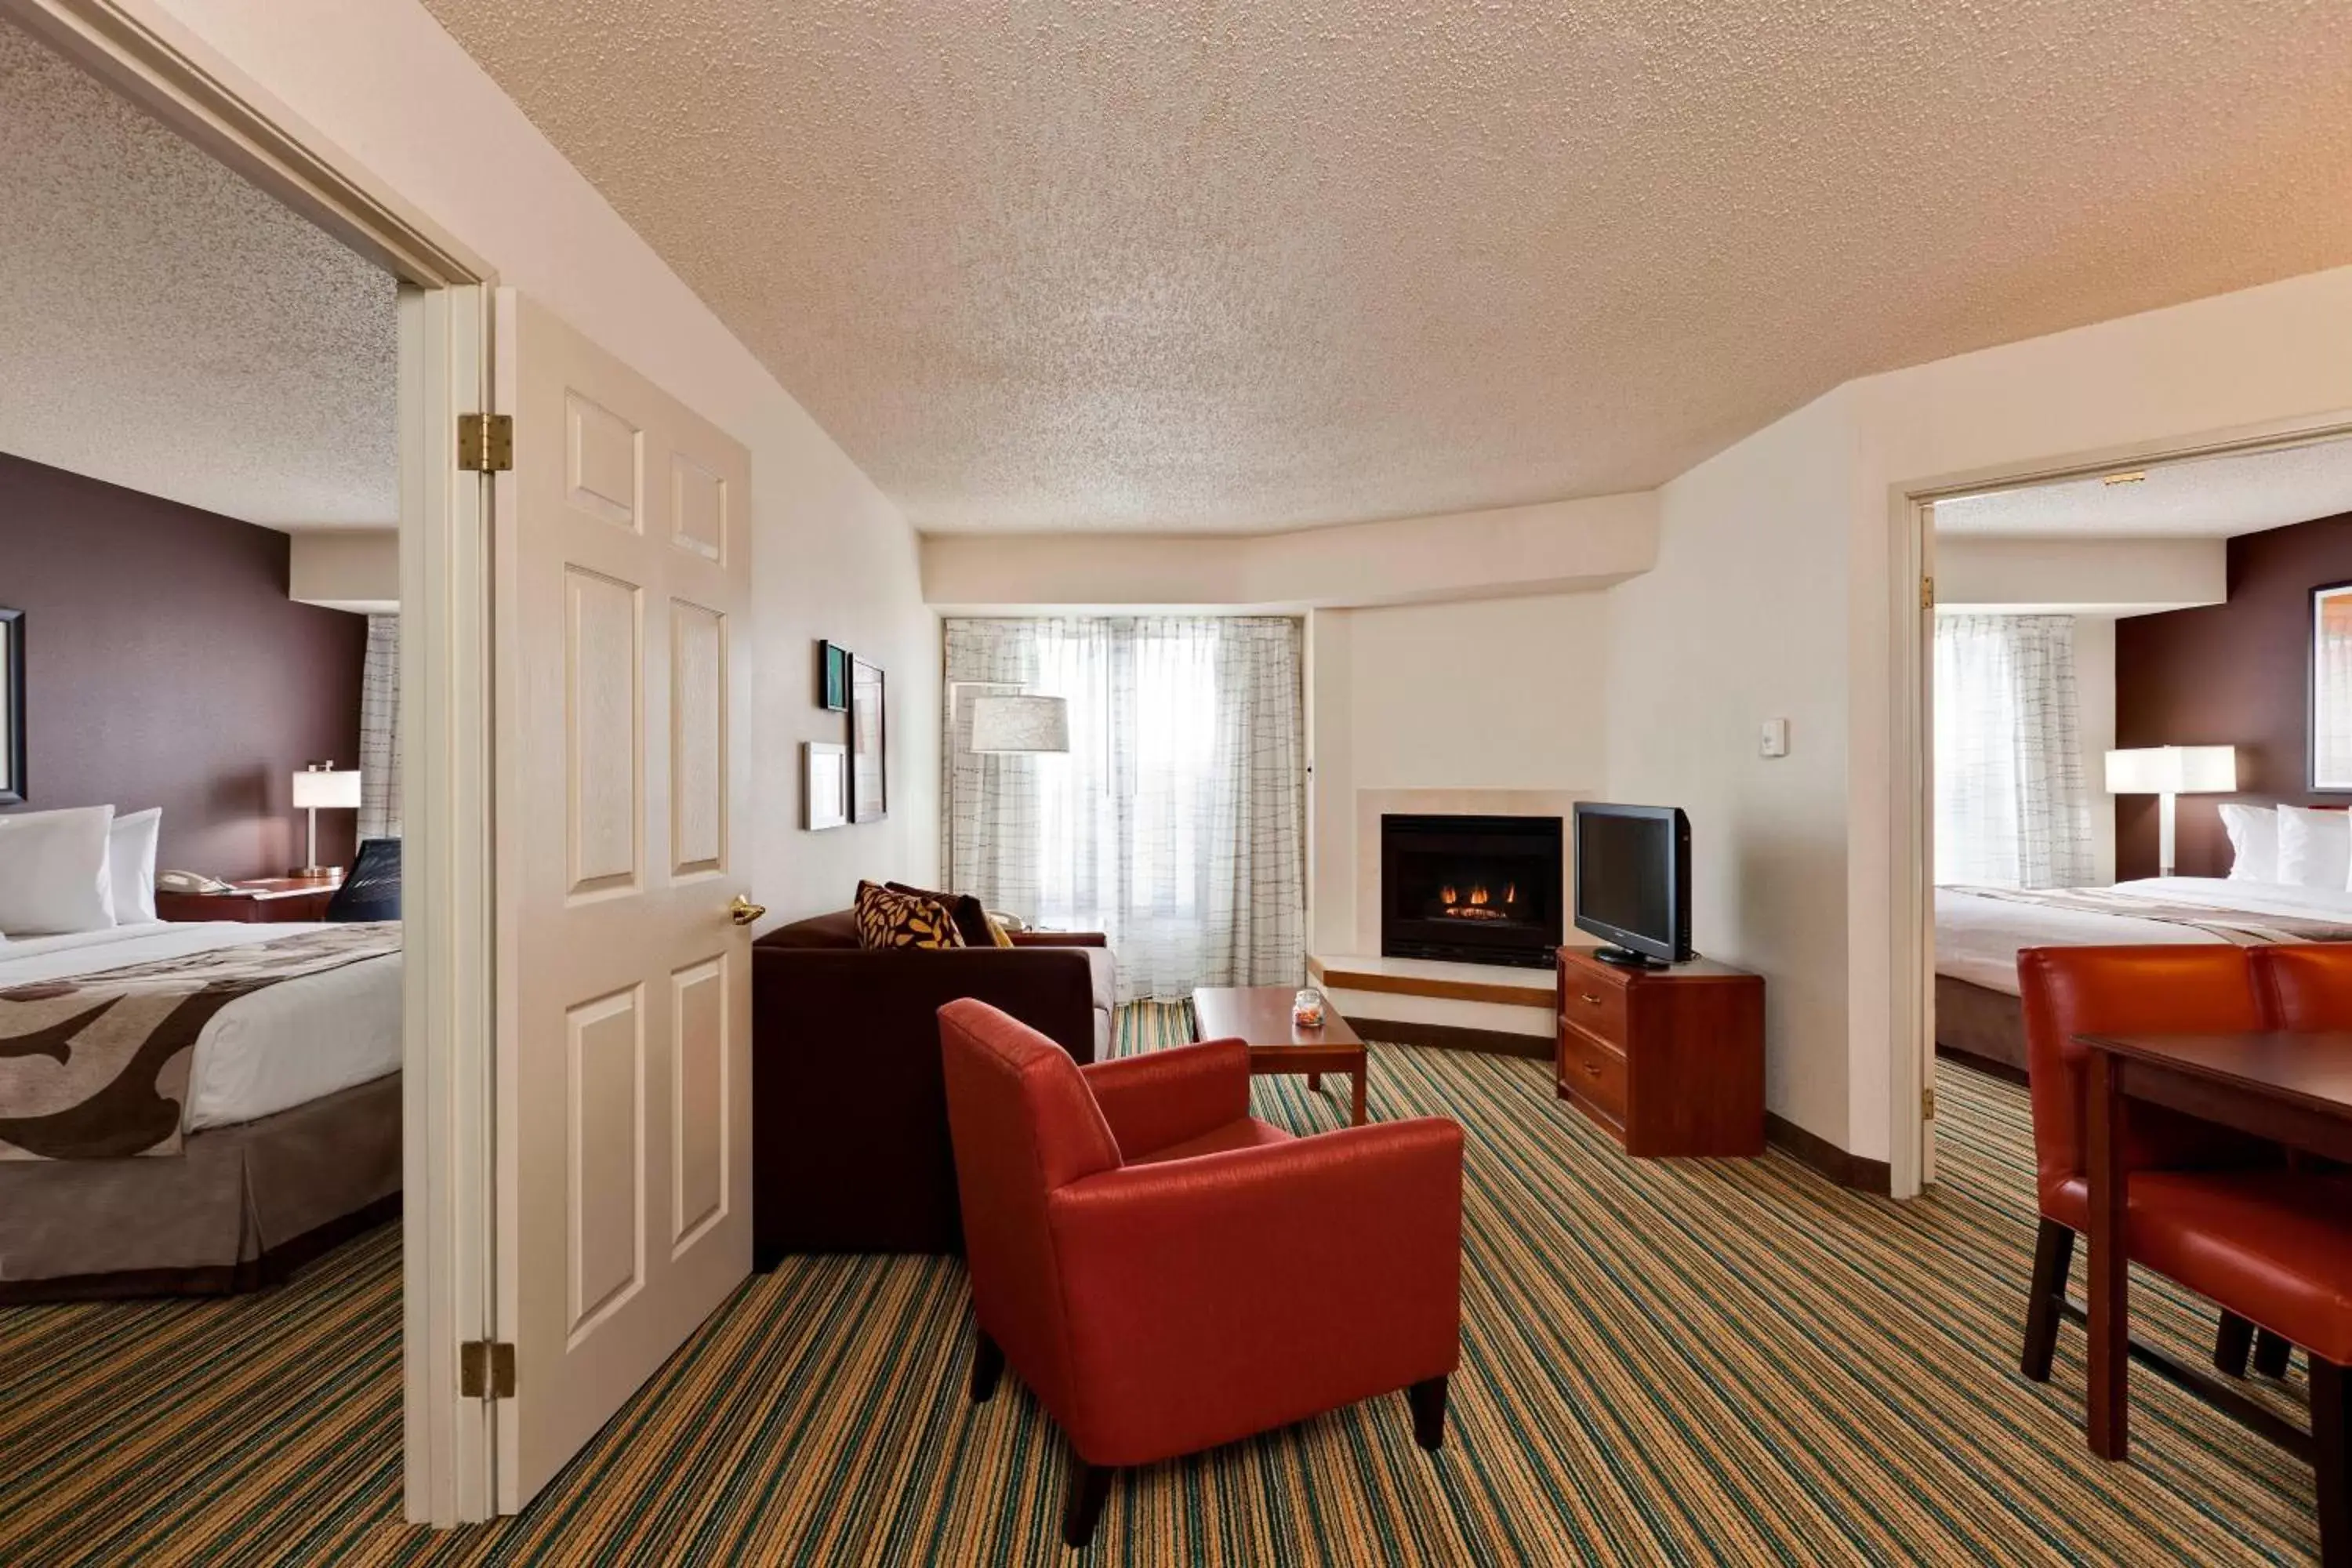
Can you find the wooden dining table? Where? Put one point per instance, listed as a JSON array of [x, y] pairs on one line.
[[2294, 1088]]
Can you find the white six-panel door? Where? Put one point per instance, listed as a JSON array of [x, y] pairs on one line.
[[624, 1129]]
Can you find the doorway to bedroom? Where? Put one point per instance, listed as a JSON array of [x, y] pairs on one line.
[[202, 1006], [2142, 685]]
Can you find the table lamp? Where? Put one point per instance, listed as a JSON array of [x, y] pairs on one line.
[[317, 788], [2167, 772]]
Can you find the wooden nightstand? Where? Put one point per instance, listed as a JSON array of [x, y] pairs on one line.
[[266, 900]]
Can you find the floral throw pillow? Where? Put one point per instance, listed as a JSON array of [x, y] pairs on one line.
[[886, 918]]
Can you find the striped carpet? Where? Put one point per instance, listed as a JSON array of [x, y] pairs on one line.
[[1662, 1361]]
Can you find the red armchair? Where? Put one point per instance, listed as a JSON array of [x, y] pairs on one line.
[[2219, 1213], [1167, 1273]]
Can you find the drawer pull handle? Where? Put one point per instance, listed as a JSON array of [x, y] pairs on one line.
[[1591, 1000], [1593, 1069]]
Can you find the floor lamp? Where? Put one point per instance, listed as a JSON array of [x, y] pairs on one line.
[[2167, 773], [1007, 721]]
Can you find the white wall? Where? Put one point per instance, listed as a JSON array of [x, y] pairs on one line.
[[2079, 577], [1557, 547], [355, 569], [832, 556], [1778, 589], [1741, 620], [1501, 695], [1505, 694]]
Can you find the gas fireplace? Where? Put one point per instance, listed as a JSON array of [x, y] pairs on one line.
[[1480, 890]]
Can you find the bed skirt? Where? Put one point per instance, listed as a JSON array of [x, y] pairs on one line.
[[238, 1208], [1985, 1025]]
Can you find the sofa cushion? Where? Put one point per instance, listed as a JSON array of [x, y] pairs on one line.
[[1103, 968], [886, 918], [837, 930], [970, 918]]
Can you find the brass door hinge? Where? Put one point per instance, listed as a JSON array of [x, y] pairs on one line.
[[1928, 1105], [1927, 593], [486, 1369], [485, 443]]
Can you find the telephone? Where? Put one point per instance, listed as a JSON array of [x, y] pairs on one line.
[[190, 882]]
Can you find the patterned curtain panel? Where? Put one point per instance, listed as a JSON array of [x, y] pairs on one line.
[[2012, 807], [1176, 822], [380, 731]]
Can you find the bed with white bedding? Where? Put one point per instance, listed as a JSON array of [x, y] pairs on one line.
[[290, 1128], [281, 1046], [1981, 931]]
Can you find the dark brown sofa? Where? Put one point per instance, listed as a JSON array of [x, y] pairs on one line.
[[849, 1119]]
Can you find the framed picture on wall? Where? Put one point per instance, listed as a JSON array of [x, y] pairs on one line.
[[869, 773], [11, 707], [824, 784], [832, 677], [2330, 720]]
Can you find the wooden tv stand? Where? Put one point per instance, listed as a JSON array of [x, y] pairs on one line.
[[1668, 1061]]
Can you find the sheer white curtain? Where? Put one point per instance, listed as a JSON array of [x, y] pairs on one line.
[[2010, 805], [1176, 822], [380, 731]]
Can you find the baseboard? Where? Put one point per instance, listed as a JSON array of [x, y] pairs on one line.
[[1985, 1065], [1452, 1037], [1847, 1170]]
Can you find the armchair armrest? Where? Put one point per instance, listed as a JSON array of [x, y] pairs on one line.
[[1166, 1097], [1214, 1297]]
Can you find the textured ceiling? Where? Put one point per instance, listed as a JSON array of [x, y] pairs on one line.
[[2210, 498], [1233, 265], [163, 325]]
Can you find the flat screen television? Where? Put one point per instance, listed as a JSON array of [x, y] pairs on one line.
[[1632, 881]]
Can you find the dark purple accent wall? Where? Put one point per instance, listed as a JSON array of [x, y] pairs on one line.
[[165, 666], [2229, 674]]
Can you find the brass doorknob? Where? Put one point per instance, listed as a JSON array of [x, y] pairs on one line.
[[743, 912]]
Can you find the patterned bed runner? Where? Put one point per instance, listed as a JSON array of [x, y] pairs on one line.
[[96, 1066], [2245, 927]]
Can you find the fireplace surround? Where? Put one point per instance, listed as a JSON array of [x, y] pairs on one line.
[[1476, 889]]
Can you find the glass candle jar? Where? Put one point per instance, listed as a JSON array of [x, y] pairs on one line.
[[1306, 1008]]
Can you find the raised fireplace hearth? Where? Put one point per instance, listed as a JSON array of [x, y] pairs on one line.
[[1475, 890]]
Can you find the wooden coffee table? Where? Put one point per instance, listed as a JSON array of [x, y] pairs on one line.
[[1259, 1016]]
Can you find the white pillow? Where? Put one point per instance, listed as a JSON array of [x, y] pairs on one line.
[[54, 875], [2315, 847], [2253, 843], [130, 856]]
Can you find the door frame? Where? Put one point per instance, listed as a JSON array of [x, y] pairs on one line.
[[448, 1037], [1910, 696]]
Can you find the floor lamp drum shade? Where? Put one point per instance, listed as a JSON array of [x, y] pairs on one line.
[[2167, 772], [1013, 724]]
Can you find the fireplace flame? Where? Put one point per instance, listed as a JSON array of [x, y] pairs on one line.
[[1480, 905]]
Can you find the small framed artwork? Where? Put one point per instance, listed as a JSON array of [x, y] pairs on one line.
[[832, 677], [11, 707], [869, 740], [824, 784], [2330, 684]]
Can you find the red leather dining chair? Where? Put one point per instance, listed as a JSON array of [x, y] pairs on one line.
[[1168, 1273], [2303, 986], [2217, 1212]]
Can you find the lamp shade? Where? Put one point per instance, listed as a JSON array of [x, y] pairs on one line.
[[2173, 769], [1018, 724], [321, 789]]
